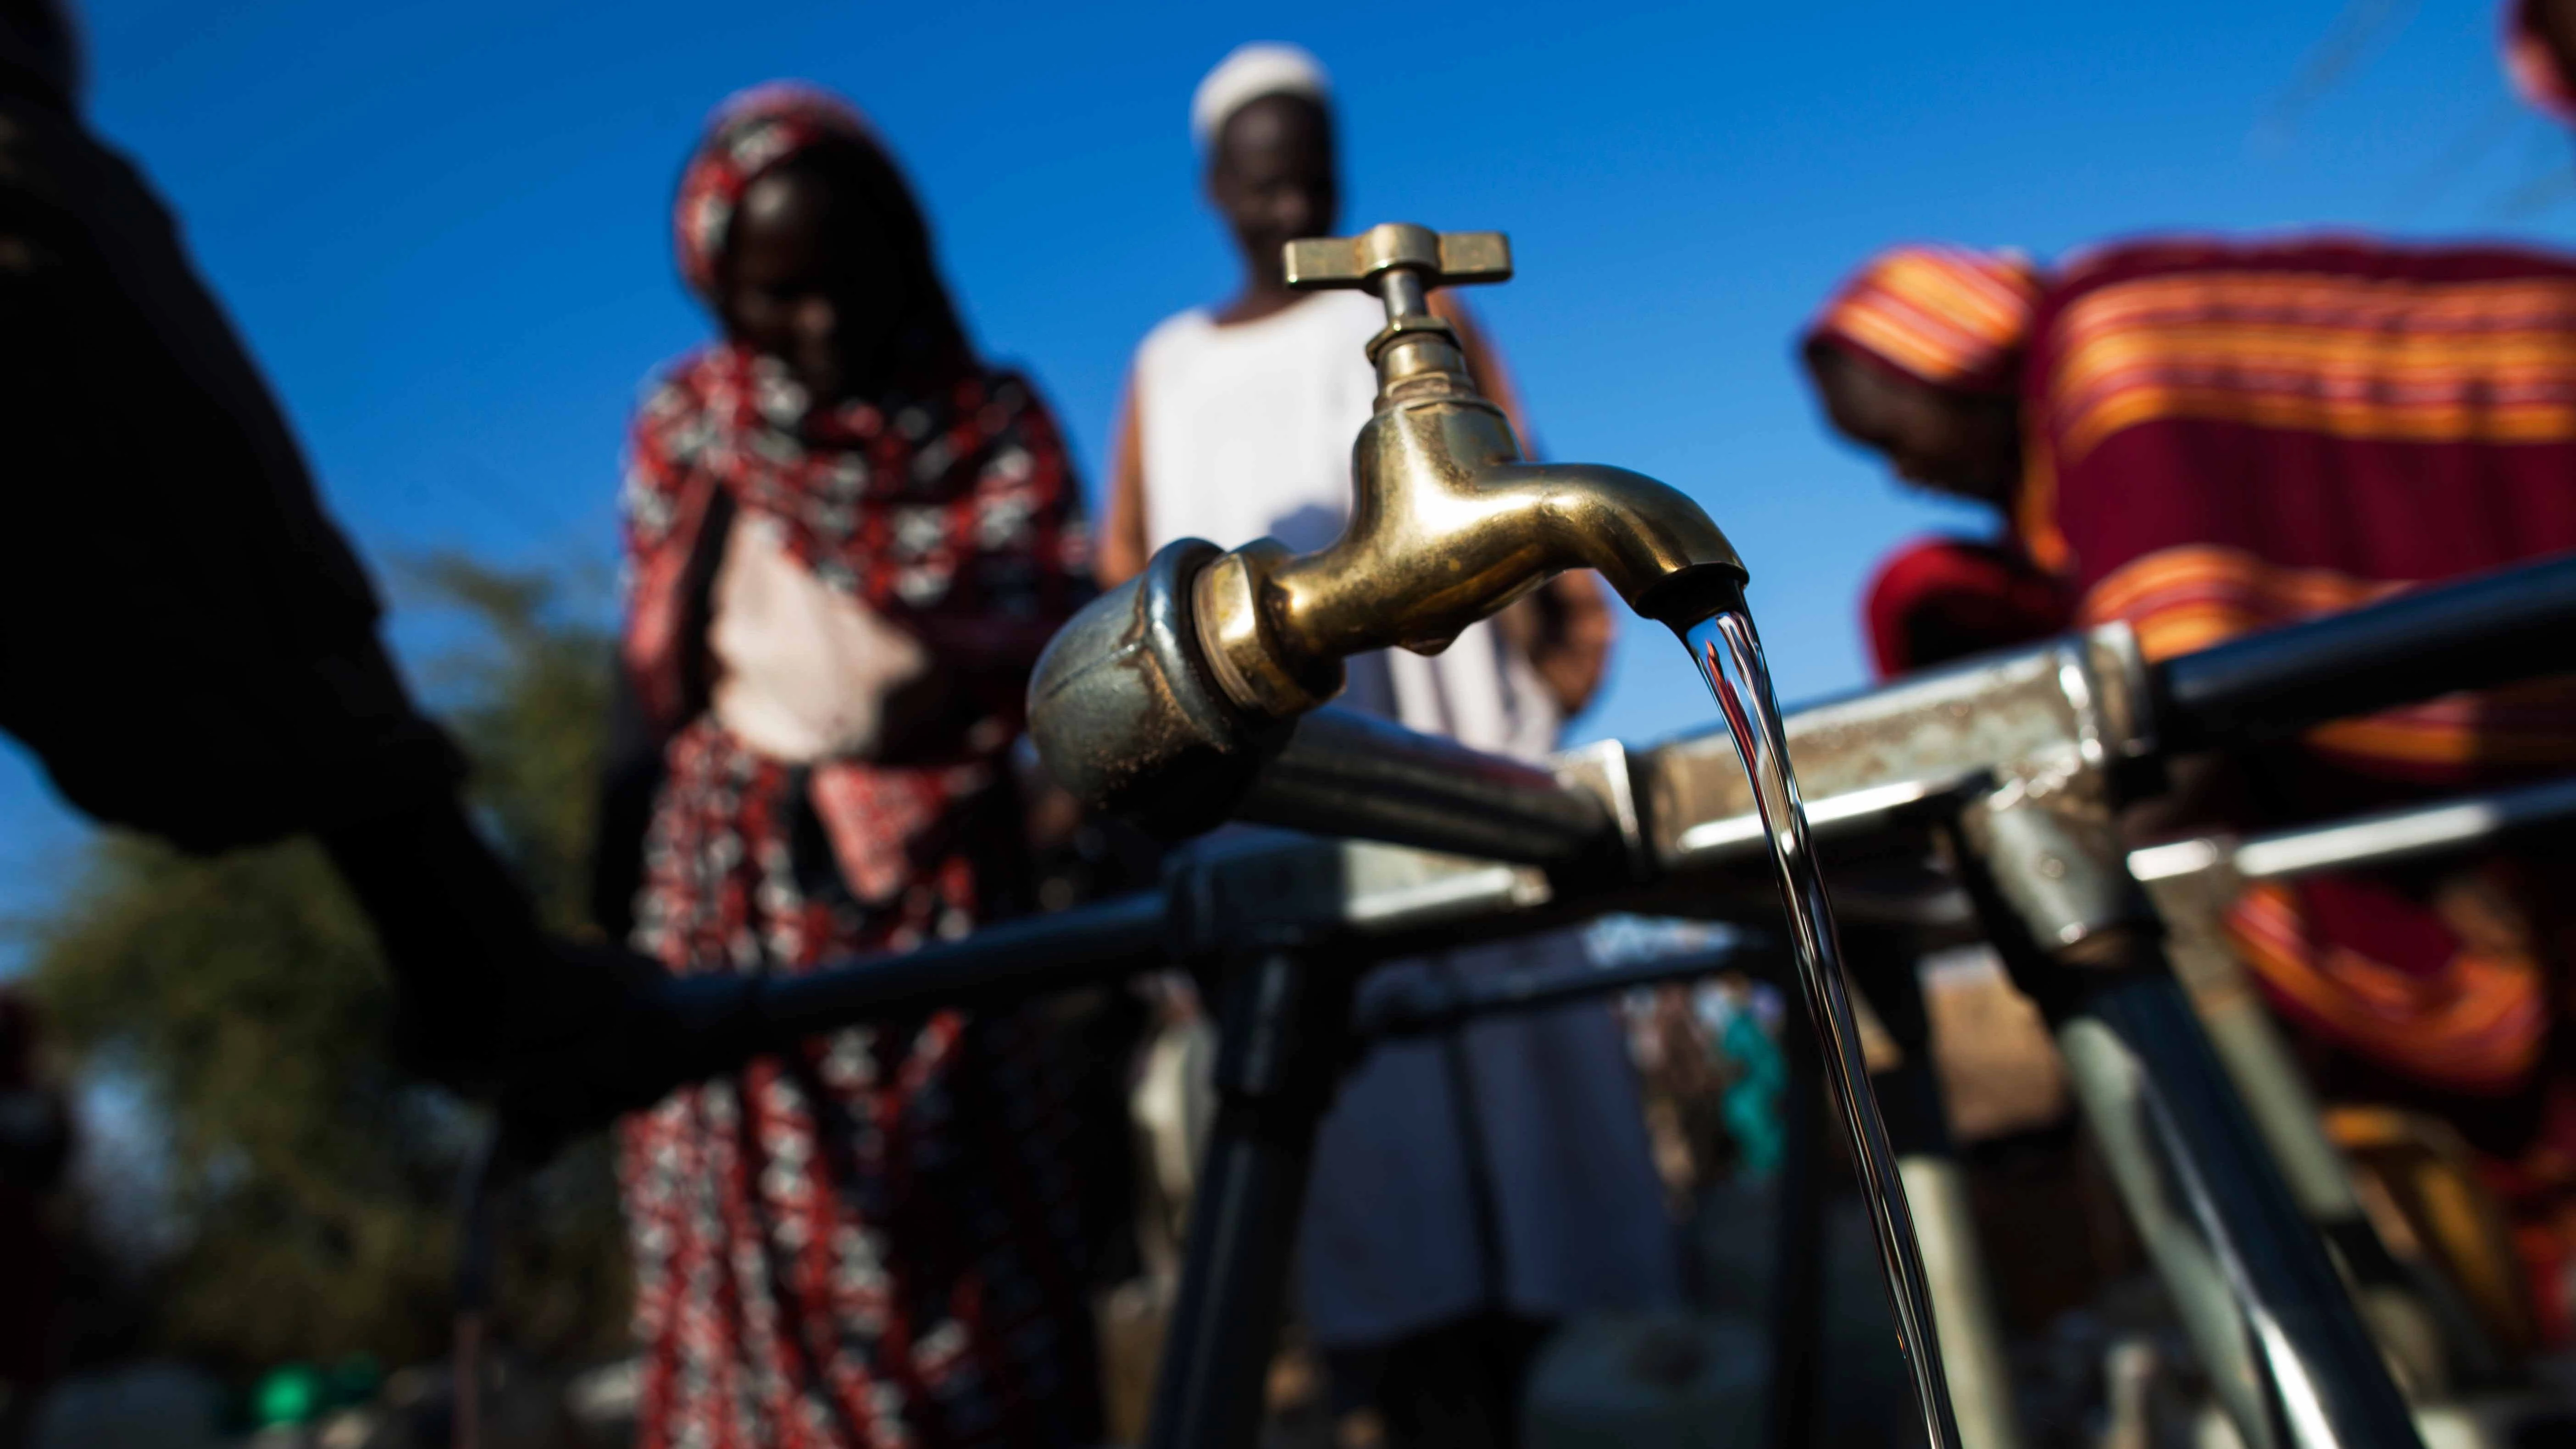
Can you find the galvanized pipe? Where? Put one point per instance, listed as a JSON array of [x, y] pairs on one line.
[[2492, 629], [1106, 940], [1285, 1023], [2280, 1340], [2384, 838], [1341, 773]]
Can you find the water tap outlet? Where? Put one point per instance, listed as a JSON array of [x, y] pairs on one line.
[[1162, 698], [1126, 714]]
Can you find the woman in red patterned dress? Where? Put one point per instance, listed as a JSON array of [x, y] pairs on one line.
[[848, 540]]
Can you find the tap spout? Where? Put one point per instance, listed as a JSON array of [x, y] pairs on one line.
[[1517, 525], [1166, 696], [1449, 527]]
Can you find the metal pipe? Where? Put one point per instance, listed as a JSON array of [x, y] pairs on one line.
[[1887, 971], [1973, 1355], [1421, 1004], [2365, 840], [1341, 773], [1796, 1304], [2193, 881], [2495, 628], [2283, 1347], [1110, 938], [1285, 1021]]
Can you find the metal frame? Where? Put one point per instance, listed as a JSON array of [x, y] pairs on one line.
[[2013, 763]]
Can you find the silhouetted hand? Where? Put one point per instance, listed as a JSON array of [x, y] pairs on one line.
[[562, 1036], [613, 1032]]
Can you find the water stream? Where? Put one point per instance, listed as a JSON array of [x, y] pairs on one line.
[[1729, 657]]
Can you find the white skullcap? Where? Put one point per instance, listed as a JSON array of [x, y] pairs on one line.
[[1262, 68]]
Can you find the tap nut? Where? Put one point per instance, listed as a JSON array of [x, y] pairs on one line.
[[1237, 645]]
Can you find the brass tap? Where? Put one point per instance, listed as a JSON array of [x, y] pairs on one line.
[[1164, 697], [1448, 525]]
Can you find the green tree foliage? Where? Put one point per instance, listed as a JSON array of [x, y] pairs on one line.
[[312, 1186]]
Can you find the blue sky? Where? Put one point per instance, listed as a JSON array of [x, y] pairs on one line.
[[443, 226]]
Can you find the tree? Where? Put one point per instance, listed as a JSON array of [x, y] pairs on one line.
[[313, 1185]]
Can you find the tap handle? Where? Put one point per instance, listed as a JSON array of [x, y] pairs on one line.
[[1399, 262]]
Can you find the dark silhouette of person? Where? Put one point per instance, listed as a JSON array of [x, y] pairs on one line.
[[190, 647]]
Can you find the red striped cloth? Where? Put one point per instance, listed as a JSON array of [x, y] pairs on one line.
[[1943, 315], [1939, 599], [2228, 437], [1956, 319]]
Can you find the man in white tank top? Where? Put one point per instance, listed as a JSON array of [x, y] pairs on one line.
[[1471, 1190]]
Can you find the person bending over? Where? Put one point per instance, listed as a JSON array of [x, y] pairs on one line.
[[2203, 437], [1917, 358]]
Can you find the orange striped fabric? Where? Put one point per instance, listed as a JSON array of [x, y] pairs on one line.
[[2477, 1025], [1945, 315], [2489, 361], [2532, 66], [2182, 599], [2228, 436], [2354, 357]]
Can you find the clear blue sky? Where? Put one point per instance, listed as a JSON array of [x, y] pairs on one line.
[[443, 227]]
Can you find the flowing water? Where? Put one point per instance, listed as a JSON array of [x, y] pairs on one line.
[[1729, 657]]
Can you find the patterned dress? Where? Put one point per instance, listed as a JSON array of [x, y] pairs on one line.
[[872, 1240]]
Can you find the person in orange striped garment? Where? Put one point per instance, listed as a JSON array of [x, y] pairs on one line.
[[1918, 356], [2214, 437]]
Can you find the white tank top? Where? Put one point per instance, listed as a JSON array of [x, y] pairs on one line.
[[1246, 431]]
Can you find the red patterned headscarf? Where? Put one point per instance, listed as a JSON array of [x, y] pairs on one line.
[[751, 132], [951, 510], [1943, 315], [2532, 66]]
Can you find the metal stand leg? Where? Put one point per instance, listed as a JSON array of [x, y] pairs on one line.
[[1918, 1126], [2275, 1327], [2291, 1120], [2273, 1324], [1286, 1023]]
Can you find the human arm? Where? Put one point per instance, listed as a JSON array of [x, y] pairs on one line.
[[187, 642]]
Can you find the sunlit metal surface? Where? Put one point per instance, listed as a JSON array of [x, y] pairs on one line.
[[1852, 809], [2403, 834], [2370, 840], [2039, 716]]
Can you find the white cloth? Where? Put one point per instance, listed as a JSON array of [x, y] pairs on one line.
[[1249, 72], [1246, 431], [803, 670]]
